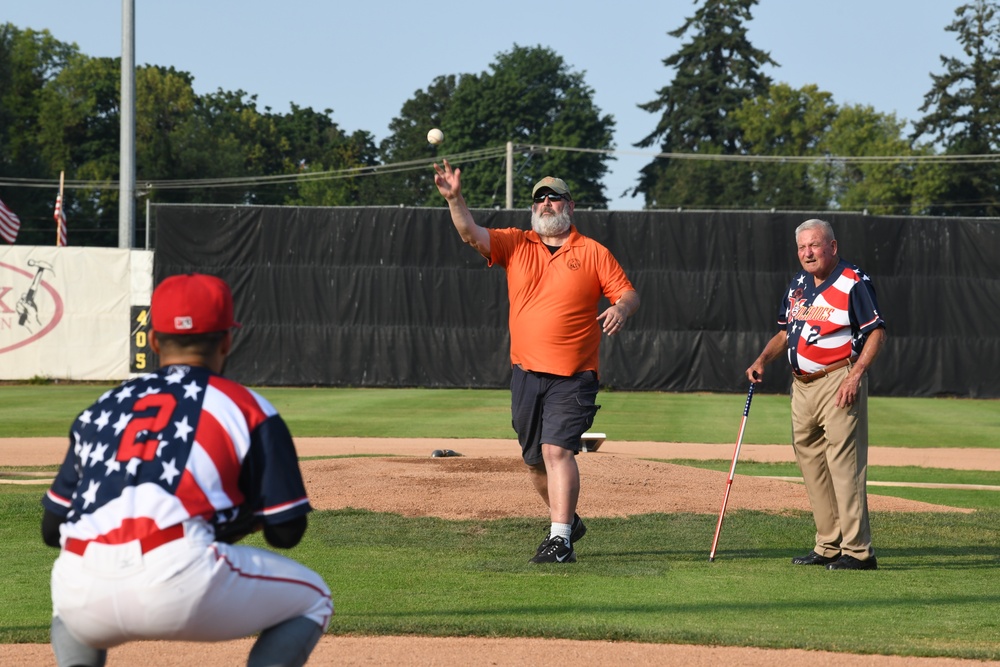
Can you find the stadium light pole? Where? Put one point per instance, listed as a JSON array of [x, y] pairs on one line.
[[126, 193]]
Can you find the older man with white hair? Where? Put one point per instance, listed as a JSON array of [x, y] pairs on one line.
[[831, 330]]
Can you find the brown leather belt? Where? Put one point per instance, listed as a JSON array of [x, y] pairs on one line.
[[823, 372]]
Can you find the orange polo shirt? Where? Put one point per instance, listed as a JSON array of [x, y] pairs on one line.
[[554, 298]]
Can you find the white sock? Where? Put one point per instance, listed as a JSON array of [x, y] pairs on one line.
[[563, 530]]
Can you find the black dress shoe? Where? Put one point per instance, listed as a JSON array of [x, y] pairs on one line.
[[813, 558], [846, 562]]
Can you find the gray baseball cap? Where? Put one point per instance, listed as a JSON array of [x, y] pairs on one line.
[[557, 185]]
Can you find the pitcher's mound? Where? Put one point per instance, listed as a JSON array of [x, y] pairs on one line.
[[495, 487]]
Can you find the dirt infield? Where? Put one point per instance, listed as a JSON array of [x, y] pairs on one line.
[[489, 481], [481, 652], [41, 451]]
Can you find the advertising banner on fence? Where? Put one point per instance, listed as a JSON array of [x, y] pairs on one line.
[[67, 313]]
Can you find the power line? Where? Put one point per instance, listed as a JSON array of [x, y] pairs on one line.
[[844, 159], [246, 181], [490, 154]]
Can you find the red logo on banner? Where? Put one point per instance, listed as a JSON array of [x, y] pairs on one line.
[[29, 307]]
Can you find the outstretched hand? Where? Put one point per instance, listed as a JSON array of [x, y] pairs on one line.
[[448, 180]]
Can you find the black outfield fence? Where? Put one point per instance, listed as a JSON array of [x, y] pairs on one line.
[[390, 297]]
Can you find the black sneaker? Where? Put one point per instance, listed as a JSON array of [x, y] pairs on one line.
[[813, 558], [846, 562], [578, 528], [555, 550]]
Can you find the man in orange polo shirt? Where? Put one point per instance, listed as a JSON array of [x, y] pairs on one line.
[[555, 280]]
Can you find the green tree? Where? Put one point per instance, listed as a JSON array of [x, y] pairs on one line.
[[963, 112], [883, 187], [529, 97], [821, 144], [179, 137], [311, 143], [79, 132], [407, 142], [351, 158], [785, 123], [715, 72], [60, 110], [29, 60], [241, 142], [175, 139]]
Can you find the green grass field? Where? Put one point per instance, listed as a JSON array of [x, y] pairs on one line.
[[47, 410], [643, 578]]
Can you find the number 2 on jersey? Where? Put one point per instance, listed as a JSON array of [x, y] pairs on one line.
[[130, 447], [813, 335]]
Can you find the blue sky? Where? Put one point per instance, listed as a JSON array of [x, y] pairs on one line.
[[363, 60]]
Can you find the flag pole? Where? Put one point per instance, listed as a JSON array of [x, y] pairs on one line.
[[59, 206]]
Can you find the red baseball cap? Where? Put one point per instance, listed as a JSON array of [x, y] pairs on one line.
[[192, 303]]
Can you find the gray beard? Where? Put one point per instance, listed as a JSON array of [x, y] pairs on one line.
[[550, 225]]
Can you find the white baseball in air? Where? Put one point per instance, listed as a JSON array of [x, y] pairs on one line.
[[435, 136]]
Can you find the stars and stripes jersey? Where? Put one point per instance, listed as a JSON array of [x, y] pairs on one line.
[[830, 322], [179, 443]]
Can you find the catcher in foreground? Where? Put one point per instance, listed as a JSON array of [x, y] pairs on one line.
[[163, 475]]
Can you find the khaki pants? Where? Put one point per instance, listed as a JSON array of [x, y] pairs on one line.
[[831, 447]]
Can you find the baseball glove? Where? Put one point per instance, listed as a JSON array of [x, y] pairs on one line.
[[233, 525]]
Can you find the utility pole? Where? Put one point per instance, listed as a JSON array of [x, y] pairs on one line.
[[510, 175], [126, 193]]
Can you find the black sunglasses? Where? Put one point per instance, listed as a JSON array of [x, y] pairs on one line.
[[552, 197]]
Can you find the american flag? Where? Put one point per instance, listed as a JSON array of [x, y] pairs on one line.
[[60, 217], [10, 224]]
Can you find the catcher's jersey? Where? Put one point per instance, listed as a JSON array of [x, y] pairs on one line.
[[179, 443], [830, 322]]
